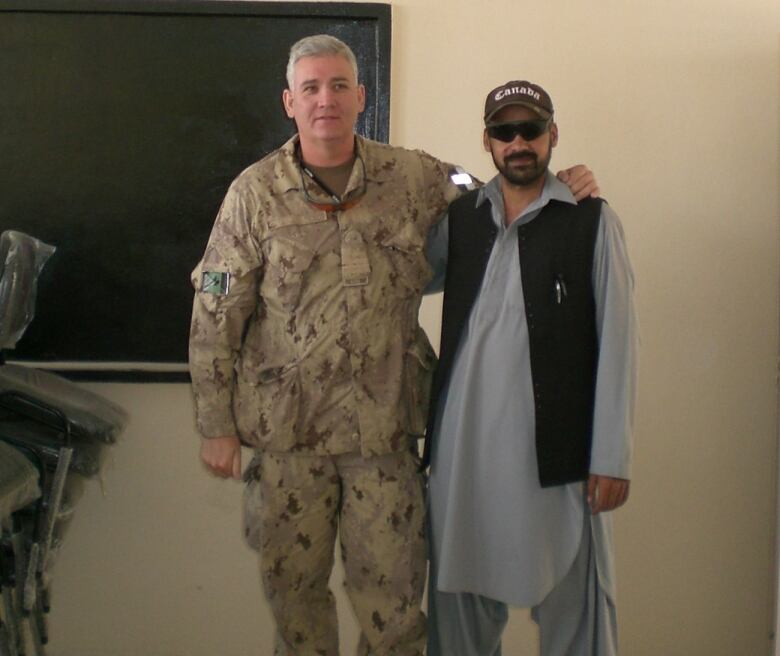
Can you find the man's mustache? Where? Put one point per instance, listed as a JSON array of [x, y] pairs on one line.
[[520, 155]]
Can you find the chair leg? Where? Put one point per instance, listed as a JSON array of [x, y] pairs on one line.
[[10, 639], [5, 640], [55, 500], [9, 631], [34, 634], [19, 562], [40, 619], [29, 591]]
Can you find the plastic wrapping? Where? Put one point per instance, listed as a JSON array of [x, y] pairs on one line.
[[74, 490], [88, 454], [18, 480], [91, 417], [21, 259]]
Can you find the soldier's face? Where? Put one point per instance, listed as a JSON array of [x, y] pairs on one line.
[[521, 162], [326, 99]]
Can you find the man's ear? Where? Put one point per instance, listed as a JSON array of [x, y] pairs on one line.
[[553, 135], [287, 101], [361, 94], [485, 141]]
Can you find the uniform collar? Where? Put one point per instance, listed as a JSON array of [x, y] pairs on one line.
[[287, 173]]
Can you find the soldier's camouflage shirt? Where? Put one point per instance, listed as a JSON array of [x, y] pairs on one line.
[[312, 343]]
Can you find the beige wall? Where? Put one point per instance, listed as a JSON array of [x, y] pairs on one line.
[[674, 104]]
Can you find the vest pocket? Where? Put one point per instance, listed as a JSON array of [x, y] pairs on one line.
[[267, 408]]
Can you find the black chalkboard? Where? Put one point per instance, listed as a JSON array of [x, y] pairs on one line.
[[121, 126]]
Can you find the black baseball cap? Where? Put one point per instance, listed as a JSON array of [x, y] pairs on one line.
[[518, 92]]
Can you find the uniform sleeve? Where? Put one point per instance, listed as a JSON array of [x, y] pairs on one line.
[[442, 185], [618, 335], [225, 283]]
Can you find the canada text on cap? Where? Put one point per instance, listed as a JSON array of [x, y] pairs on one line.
[[518, 92]]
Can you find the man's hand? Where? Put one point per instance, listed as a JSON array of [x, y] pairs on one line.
[[606, 493], [222, 456], [581, 181]]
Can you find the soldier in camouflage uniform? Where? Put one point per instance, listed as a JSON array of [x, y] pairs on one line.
[[305, 345]]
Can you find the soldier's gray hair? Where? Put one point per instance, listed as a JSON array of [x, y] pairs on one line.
[[318, 45]]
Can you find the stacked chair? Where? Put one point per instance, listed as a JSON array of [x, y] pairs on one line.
[[53, 436]]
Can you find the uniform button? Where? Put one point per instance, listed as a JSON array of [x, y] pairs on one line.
[[355, 436]]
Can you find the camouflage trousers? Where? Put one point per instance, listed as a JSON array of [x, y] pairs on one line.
[[295, 507]]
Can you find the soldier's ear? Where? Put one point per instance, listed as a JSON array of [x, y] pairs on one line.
[[361, 95], [287, 101]]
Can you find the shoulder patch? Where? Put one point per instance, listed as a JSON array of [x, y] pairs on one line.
[[215, 282]]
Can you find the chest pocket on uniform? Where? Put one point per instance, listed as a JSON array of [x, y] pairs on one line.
[[405, 251], [288, 262]]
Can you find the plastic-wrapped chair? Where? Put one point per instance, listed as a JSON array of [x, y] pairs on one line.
[[21, 470], [61, 428], [19, 487], [23, 475], [31, 530]]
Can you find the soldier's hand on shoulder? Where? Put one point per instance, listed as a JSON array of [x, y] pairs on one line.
[[606, 493], [581, 181], [222, 456]]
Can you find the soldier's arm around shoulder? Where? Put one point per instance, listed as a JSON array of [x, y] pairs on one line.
[[443, 183]]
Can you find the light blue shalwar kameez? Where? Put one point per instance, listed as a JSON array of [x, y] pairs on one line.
[[496, 534]]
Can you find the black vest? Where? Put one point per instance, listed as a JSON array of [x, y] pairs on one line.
[[556, 262]]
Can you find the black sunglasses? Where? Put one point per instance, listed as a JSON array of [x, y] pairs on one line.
[[528, 130]]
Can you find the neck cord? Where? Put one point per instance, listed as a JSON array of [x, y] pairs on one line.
[[338, 205]]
